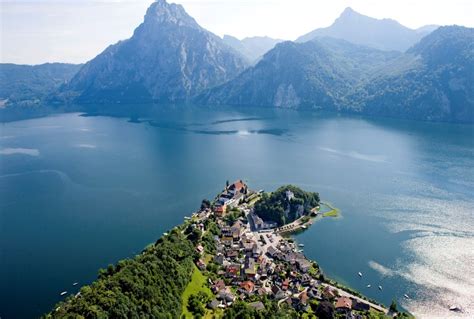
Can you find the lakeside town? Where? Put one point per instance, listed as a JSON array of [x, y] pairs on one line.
[[246, 258]]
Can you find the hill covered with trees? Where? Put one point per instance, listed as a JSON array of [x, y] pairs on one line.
[[286, 204], [147, 286]]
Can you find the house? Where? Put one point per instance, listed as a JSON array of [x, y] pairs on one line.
[[232, 254], [248, 245], [329, 293], [343, 304], [201, 265], [200, 249], [285, 284], [257, 221], [261, 291], [219, 259], [237, 187], [302, 302], [249, 267], [219, 210], [306, 280], [226, 236], [226, 295], [236, 230], [314, 293], [218, 286], [247, 286], [256, 252], [257, 305], [303, 264], [232, 271], [213, 304], [272, 252]]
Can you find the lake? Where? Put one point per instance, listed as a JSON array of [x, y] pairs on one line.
[[80, 192]]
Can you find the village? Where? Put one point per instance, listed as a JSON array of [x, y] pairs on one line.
[[247, 258]]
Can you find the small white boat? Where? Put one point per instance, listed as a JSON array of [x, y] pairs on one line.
[[368, 286], [165, 234], [304, 227], [360, 274], [301, 245], [455, 308], [75, 284], [63, 293], [380, 287], [406, 296]]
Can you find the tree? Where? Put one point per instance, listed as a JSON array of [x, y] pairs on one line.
[[205, 203], [393, 306], [195, 235], [325, 310], [195, 306]]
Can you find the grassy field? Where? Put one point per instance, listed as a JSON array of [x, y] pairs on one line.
[[197, 284], [331, 213]]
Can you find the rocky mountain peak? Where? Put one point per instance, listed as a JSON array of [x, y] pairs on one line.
[[161, 12], [349, 12]]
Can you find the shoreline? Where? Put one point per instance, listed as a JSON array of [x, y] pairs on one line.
[[282, 237], [228, 265]]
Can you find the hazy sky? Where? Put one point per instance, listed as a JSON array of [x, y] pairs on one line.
[[38, 31]]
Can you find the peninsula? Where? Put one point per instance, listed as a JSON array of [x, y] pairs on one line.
[[230, 259]]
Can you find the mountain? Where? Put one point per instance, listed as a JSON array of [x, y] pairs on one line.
[[251, 48], [384, 34], [427, 29], [313, 74], [27, 85], [433, 80], [168, 58]]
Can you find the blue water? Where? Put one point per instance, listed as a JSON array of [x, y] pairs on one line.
[[80, 192]]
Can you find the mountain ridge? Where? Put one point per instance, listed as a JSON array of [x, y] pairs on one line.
[[252, 48], [382, 34], [432, 81]]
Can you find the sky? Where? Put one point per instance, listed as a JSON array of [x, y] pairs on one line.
[[75, 31]]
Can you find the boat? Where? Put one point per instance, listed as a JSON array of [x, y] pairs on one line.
[[301, 245], [304, 227], [360, 274], [75, 284], [455, 308], [406, 296], [63, 293], [368, 286], [380, 287]]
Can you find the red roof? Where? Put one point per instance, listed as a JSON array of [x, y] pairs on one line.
[[344, 302], [304, 297], [247, 285], [238, 185], [285, 284], [219, 209]]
